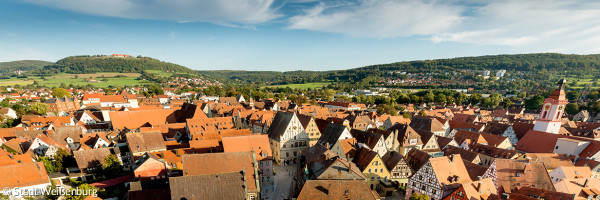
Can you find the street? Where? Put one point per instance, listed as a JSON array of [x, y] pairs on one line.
[[282, 181]]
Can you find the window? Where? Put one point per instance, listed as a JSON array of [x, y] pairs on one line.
[[545, 113], [372, 178], [369, 170], [556, 147]]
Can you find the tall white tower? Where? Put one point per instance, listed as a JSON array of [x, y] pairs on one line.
[[552, 110]]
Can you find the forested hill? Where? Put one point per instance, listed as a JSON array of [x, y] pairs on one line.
[[540, 63], [93, 64], [22, 65], [516, 62]]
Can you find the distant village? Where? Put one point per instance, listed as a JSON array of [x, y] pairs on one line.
[[126, 145]]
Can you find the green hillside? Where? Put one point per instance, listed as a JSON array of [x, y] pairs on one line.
[[531, 65], [22, 65], [101, 63]]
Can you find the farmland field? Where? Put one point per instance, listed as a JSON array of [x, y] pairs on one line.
[[102, 80]]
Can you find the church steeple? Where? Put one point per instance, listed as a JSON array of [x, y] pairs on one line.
[[550, 119]]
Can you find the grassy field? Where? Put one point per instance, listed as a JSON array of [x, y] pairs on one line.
[[583, 82], [301, 86], [160, 73], [57, 80]]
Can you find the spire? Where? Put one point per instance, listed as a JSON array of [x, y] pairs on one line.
[[559, 93], [561, 84]]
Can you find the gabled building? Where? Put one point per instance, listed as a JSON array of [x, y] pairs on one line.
[[371, 140], [243, 164], [224, 185], [150, 166], [403, 139], [429, 124], [374, 168], [42, 145], [287, 138], [510, 175], [334, 133], [25, 176], [398, 167], [569, 172], [145, 142], [64, 104], [438, 177], [393, 120], [259, 145], [90, 160], [310, 127], [505, 130], [336, 189], [479, 189]]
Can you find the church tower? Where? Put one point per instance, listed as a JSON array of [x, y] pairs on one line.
[[552, 110]]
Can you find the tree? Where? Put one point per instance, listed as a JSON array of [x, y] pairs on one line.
[[475, 98], [440, 98], [416, 196], [39, 108], [50, 168], [534, 103], [112, 166], [572, 108], [429, 97], [573, 95], [60, 93]]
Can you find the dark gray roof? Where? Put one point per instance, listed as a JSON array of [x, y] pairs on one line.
[[210, 186], [366, 137], [64, 99], [279, 124], [331, 134], [304, 120]]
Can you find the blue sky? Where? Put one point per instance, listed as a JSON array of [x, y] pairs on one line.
[[286, 35]]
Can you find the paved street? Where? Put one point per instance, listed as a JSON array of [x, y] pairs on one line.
[[283, 182]]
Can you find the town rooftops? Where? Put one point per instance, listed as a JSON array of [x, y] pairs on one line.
[[336, 189], [91, 158], [145, 141], [228, 185], [214, 163], [22, 175], [257, 143]]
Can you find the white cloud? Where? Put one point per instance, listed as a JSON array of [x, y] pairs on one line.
[[532, 25], [562, 26], [379, 18], [214, 11]]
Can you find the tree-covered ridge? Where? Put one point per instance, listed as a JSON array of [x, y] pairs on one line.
[[22, 65], [516, 62], [528, 66], [94, 64], [263, 77]]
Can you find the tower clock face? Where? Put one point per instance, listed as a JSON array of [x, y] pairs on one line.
[[546, 107], [560, 107]]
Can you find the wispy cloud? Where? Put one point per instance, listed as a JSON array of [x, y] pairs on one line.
[[379, 18], [214, 11], [543, 24]]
